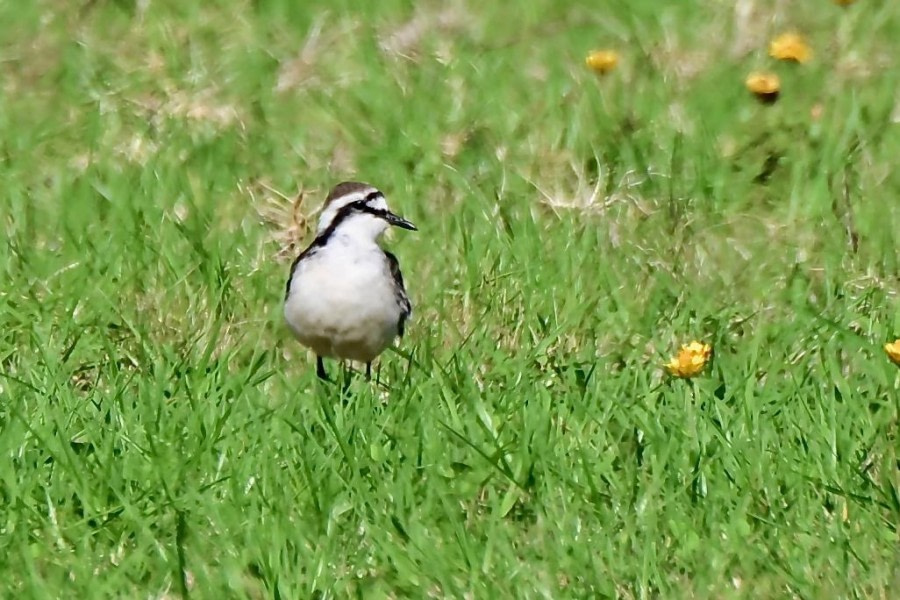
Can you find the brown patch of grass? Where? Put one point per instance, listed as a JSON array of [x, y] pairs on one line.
[[288, 218], [202, 106], [750, 27], [586, 194], [407, 39], [302, 72]]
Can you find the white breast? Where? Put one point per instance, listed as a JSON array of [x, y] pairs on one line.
[[341, 301]]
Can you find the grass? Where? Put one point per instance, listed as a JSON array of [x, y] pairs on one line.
[[162, 435]]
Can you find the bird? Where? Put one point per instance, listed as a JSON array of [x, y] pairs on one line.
[[345, 297]]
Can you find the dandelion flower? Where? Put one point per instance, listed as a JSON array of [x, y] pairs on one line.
[[893, 351], [690, 360], [790, 46], [765, 86], [602, 61]]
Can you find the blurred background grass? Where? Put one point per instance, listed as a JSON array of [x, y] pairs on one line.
[[162, 435]]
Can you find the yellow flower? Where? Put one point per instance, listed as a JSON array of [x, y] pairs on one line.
[[790, 46], [893, 351], [765, 86], [602, 61], [690, 360]]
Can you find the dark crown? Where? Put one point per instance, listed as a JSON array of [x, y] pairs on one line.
[[345, 188]]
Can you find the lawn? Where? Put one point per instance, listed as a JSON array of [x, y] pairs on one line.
[[162, 435]]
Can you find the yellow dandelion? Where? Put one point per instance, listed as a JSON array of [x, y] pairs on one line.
[[765, 86], [690, 360], [602, 61], [790, 46], [893, 351]]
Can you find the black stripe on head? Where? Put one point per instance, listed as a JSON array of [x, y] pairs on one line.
[[355, 207], [372, 196]]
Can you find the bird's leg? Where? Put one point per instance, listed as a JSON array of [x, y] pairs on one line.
[[368, 371], [320, 368]]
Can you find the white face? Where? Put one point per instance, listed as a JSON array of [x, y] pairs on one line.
[[356, 224], [357, 211]]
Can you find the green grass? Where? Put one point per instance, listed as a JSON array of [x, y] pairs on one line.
[[162, 435]]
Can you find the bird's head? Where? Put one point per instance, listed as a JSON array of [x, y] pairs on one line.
[[358, 210]]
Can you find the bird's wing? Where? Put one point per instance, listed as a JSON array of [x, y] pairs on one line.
[[399, 290]]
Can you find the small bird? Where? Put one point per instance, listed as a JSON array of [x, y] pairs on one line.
[[345, 296]]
